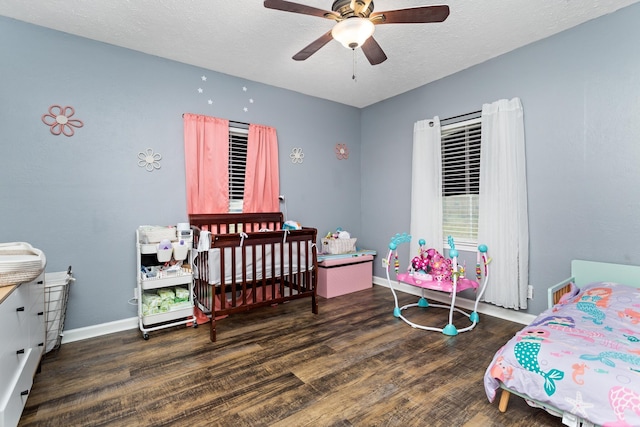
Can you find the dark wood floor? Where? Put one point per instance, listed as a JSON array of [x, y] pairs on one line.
[[354, 364]]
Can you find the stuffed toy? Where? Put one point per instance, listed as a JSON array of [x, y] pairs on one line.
[[431, 262]]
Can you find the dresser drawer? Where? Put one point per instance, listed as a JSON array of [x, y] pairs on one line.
[[14, 334], [36, 292], [14, 398], [22, 335]]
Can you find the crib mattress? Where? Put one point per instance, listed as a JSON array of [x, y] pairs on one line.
[[262, 252]]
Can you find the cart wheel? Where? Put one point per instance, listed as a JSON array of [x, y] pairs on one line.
[[145, 336], [195, 324]]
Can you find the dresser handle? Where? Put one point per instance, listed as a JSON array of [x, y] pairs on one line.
[[20, 309], [40, 344], [21, 351], [40, 282], [41, 313], [24, 393]]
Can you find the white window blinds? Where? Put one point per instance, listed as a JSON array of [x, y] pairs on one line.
[[237, 166], [461, 180]]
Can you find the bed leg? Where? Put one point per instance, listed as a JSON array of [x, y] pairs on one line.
[[504, 401]]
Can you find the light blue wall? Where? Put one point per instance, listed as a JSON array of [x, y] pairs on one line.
[[581, 96], [80, 199]]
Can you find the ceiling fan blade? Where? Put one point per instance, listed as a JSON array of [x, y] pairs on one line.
[[288, 6], [373, 51], [313, 47], [416, 15]]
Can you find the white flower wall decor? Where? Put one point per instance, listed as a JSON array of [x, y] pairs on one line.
[[149, 160], [297, 156]]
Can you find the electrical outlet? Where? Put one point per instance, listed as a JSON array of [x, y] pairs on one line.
[[135, 293], [530, 292]]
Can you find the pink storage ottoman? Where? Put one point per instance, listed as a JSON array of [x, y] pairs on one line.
[[344, 275]]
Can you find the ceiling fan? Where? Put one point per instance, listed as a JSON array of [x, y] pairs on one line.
[[355, 21]]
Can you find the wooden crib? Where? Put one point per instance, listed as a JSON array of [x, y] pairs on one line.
[[245, 261]]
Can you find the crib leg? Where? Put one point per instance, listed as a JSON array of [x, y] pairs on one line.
[[212, 331], [504, 401]]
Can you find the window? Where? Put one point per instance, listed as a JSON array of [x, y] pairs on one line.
[[238, 138], [460, 145]]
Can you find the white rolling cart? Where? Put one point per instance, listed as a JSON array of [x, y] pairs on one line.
[[165, 279]]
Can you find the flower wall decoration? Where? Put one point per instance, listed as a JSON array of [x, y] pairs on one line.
[[149, 160], [342, 152], [59, 120], [297, 156]]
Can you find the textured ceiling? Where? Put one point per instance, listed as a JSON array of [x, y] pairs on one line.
[[244, 39]]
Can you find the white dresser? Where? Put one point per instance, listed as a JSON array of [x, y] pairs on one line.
[[22, 340]]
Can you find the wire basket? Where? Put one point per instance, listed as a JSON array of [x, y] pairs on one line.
[[56, 295]]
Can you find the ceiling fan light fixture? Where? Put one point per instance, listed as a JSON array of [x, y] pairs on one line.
[[353, 32]]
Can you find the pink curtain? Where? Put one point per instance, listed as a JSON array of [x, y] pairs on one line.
[[206, 143], [262, 183]]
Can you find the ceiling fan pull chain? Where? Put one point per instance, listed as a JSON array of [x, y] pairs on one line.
[[353, 77]]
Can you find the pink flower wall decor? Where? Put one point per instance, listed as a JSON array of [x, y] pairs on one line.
[[342, 152], [59, 120]]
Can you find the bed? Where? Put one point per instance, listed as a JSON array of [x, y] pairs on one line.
[[580, 358], [246, 261]]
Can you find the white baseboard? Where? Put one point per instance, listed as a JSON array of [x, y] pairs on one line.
[[484, 308], [87, 332]]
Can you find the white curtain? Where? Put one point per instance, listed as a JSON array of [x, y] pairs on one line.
[[503, 223], [426, 185]]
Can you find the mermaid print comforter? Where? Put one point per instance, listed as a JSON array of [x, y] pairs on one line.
[[582, 357]]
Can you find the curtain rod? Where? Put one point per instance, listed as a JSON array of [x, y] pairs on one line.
[[235, 122]]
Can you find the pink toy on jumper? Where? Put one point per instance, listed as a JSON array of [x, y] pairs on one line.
[[431, 270], [431, 263]]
